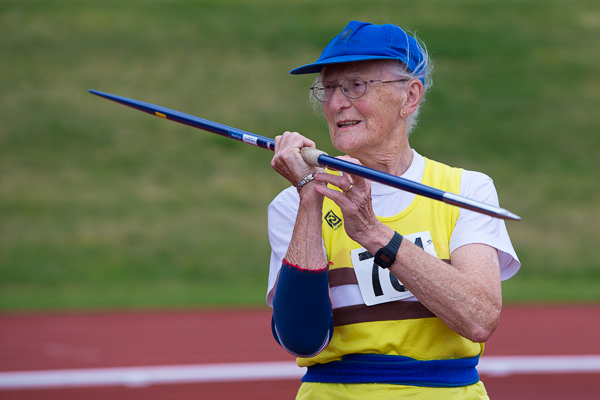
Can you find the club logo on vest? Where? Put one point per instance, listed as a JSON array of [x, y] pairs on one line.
[[333, 220]]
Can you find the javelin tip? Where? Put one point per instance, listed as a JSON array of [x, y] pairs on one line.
[[512, 216], [469, 204]]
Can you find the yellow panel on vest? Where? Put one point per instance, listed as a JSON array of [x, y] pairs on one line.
[[419, 338], [355, 391]]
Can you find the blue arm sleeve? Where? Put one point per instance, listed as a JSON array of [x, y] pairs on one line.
[[302, 322]]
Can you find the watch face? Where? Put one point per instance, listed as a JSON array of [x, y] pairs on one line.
[[385, 258]]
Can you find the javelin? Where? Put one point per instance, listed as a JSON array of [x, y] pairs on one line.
[[314, 157]]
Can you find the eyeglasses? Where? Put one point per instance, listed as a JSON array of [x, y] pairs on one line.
[[353, 88]]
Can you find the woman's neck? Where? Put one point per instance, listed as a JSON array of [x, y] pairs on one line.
[[392, 161]]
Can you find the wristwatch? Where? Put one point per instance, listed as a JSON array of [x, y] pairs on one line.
[[386, 256]]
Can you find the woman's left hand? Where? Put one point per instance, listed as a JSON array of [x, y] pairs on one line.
[[360, 221]]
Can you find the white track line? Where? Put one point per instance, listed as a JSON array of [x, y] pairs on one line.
[[143, 376], [174, 374]]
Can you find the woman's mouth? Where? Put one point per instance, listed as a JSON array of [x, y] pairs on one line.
[[346, 124]]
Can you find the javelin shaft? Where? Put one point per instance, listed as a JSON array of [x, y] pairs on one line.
[[190, 120], [314, 157], [417, 188]]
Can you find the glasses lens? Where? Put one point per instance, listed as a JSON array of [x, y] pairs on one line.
[[323, 91], [354, 87]]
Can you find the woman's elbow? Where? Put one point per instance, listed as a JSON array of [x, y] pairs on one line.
[[480, 333], [305, 340]]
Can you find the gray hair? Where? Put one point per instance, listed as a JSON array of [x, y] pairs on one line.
[[424, 70]]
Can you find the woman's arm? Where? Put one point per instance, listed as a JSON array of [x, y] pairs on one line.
[[302, 322], [465, 295]]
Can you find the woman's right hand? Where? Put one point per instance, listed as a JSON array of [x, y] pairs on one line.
[[288, 161]]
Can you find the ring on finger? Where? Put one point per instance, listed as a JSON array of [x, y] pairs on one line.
[[349, 189]]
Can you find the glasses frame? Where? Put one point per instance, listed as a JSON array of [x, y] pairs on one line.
[[314, 87]]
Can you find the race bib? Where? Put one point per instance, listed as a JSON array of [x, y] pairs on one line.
[[378, 285]]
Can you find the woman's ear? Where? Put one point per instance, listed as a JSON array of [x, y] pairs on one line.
[[414, 93]]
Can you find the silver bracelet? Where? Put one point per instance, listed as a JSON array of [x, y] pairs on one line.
[[304, 181]]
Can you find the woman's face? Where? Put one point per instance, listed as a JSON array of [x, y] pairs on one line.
[[363, 125]]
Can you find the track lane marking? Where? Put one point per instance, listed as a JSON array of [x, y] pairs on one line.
[[198, 373]]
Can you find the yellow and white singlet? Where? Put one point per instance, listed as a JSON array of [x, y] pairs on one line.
[[384, 323]]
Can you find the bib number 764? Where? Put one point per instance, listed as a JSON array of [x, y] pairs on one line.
[[378, 285]]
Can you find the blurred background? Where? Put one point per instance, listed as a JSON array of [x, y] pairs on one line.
[[104, 207]]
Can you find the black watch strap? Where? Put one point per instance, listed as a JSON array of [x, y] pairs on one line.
[[386, 256]]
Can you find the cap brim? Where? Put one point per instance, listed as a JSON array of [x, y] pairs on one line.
[[316, 67]]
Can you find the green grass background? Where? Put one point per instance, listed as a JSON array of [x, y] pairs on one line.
[[105, 207]]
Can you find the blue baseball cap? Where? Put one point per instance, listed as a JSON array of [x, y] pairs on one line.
[[361, 41]]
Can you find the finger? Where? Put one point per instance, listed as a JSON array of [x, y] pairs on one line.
[[338, 197], [339, 181], [278, 142], [350, 176], [348, 159], [294, 139], [360, 182]]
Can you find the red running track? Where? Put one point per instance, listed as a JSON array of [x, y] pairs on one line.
[[53, 341]]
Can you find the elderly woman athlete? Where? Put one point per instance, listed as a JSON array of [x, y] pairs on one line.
[[381, 293]]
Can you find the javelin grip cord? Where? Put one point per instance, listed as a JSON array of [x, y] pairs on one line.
[[314, 157]]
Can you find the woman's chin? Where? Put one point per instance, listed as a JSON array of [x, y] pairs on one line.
[[347, 145]]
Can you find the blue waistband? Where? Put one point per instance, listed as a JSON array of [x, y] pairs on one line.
[[398, 370]]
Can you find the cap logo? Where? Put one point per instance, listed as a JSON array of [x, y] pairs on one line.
[[346, 34]]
